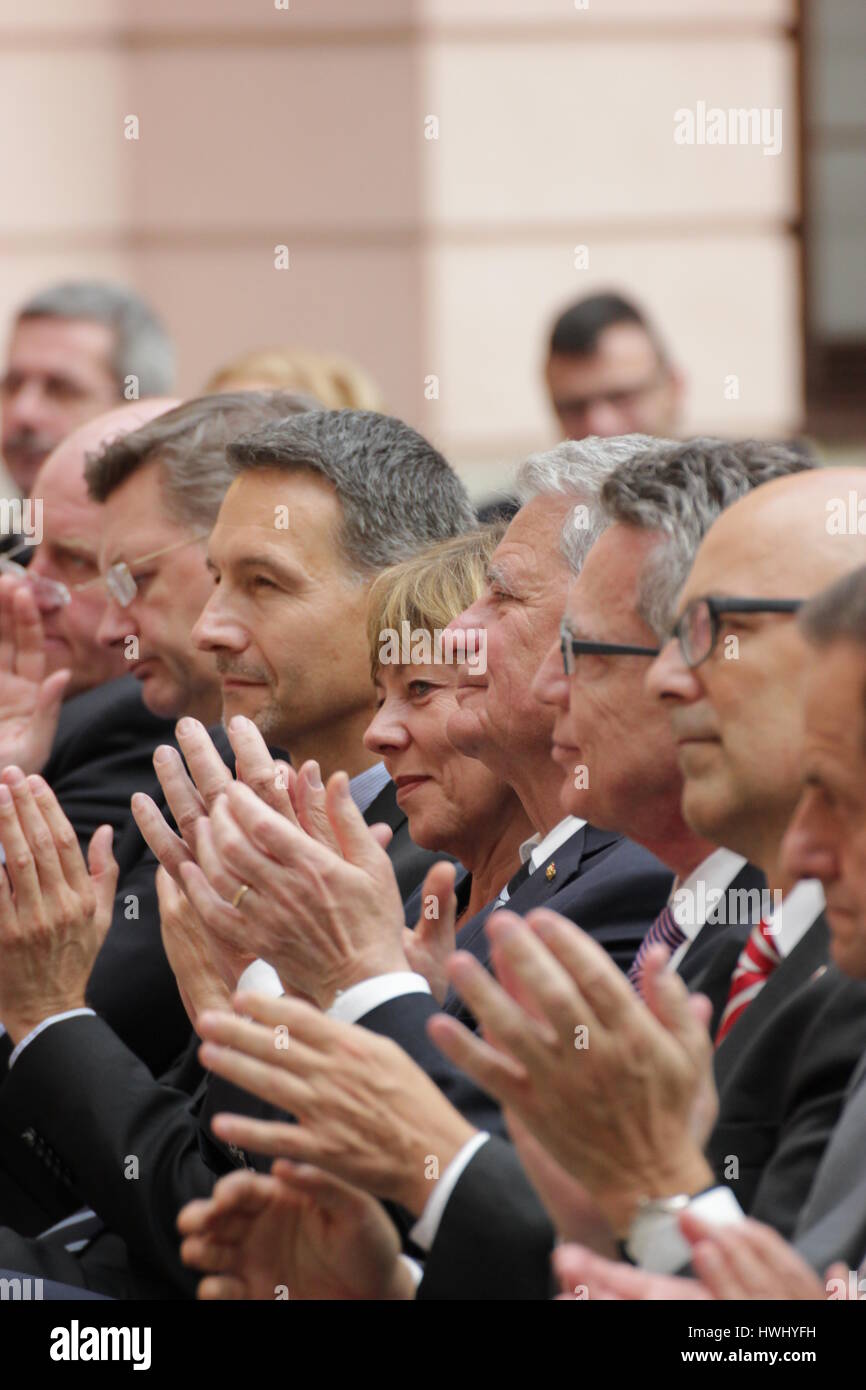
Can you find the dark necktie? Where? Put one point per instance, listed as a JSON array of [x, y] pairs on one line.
[[513, 884]]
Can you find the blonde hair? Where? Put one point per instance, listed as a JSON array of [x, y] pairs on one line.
[[430, 589], [335, 382]]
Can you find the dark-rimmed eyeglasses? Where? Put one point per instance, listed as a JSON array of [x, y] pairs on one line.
[[698, 627], [573, 647]]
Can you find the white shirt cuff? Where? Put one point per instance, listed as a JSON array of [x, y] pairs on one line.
[[46, 1023], [352, 1004], [425, 1230], [657, 1243], [261, 978]]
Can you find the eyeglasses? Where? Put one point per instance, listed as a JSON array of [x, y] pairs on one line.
[[49, 593], [119, 579], [698, 627], [572, 647]]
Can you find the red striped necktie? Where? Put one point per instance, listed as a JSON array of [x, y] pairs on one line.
[[758, 959]]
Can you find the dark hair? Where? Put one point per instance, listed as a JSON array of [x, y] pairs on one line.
[[577, 330], [190, 443], [398, 494]]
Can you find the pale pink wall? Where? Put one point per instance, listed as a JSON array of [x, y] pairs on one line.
[[306, 127]]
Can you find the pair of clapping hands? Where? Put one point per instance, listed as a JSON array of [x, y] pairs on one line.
[[623, 1115], [273, 865], [608, 1099]]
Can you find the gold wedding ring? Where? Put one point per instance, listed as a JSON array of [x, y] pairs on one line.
[[236, 900]]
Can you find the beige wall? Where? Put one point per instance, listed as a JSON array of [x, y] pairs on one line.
[[418, 257]]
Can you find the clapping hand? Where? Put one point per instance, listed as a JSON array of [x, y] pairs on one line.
[[30, 701], [54, 910]]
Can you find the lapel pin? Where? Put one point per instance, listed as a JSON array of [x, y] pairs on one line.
[[550, 872]]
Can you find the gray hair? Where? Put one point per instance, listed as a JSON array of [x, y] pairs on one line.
[[142, 348], [837, 613], [397, 493], [679, 490], [189, 443], [578, 468]]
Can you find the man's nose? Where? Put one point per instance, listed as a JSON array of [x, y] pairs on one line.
[[550, 686], [604, 420], [809, 846], [668, 675], [215, 628], [115, 625]]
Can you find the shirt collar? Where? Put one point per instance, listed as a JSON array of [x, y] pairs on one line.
[[537, 849], [366, 786], [796, 914], [702, 891]]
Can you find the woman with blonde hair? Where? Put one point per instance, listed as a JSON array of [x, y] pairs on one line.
[[335, 382], [452, 802]]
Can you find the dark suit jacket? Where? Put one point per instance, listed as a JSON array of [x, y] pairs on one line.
[[102, 753], [782, 1073], [832, 1224], [78, 1104], [609, 886]]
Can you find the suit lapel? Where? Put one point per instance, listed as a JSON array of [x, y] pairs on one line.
[[549, 878]]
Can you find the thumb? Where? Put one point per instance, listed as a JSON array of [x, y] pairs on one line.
[[103, 870], [382, 834], [351, 831], [50, 697], [311, 804]]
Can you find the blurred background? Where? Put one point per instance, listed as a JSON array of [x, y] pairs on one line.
[[436, 253]]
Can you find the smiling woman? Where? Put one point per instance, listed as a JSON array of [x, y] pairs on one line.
[[453, 803]]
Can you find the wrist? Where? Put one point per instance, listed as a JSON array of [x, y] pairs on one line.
[[20, 1023], [358, 970], [414, 1182], [687, 1175]]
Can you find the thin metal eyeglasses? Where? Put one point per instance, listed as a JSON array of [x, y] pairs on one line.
[[698, 627], [118, 578], [572, 647]]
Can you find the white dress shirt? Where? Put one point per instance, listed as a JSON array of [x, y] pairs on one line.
[[699, 893]]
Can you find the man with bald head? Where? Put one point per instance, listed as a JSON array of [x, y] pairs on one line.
[[788, 1027], [94, 749], [49, 616]]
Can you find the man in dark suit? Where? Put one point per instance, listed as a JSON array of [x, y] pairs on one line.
[[827, 838], [786, 1049], [309, 702]]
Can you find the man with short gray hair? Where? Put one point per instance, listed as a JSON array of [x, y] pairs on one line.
[[76, 349]]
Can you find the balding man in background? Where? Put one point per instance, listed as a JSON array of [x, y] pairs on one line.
[[75, 350]]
